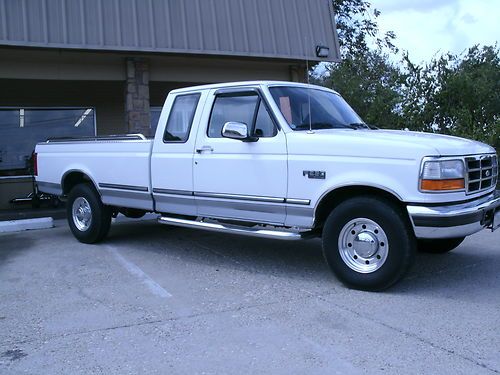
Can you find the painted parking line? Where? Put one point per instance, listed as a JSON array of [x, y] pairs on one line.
[[134, 270]]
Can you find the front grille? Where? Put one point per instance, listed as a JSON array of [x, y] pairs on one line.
[[482, 172]]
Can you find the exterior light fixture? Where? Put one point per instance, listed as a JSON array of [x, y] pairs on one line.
[[322, 51]]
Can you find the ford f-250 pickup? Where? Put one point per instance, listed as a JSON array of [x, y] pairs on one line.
[[287, 161]]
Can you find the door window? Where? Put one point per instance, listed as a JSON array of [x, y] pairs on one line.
[[181, 118], [264, 125], [247, 109]]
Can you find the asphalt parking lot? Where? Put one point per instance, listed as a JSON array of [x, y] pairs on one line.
[[161, 300]]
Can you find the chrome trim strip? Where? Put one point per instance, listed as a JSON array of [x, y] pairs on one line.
[[123, 187], [234, 229], [304, 202], [239, 197], [255, 198], [172, 192], [117, 137]]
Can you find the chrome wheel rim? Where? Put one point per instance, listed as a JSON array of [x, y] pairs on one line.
[[363, 245], [82, 214]]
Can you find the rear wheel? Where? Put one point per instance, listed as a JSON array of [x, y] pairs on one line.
[[368, 244], [88, 218], [439, 246]]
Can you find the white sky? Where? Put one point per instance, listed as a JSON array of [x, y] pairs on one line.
[[425, 27]]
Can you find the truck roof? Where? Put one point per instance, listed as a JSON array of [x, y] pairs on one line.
[[245, 83]]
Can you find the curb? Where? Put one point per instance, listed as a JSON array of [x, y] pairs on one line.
[[26, 224]]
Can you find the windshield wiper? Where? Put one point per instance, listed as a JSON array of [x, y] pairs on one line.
[[320, 125], [358, 125]]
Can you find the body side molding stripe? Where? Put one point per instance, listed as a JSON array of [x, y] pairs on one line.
[[254, 198], [172, 192], [239, 197], [123, 187], [305, 202]]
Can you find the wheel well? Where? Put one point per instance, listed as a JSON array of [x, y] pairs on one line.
[[337, 196], [74, 178]]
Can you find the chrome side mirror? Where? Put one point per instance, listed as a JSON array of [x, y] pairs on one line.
[[237, 130]]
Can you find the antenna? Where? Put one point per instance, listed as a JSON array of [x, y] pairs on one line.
[[310, 131]]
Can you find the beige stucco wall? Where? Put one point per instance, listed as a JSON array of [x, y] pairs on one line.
[[107, 66], [59, 78]]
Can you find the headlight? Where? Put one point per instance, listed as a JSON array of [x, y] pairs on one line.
[[442, 175]]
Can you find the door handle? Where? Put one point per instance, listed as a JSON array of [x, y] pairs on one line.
[[204, 148]]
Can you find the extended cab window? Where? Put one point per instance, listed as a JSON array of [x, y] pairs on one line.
[[248, 109], [181, 118]]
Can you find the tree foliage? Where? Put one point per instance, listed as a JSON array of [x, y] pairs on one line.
[[451, 94], [371, 85], [357, 28], [457, 94]]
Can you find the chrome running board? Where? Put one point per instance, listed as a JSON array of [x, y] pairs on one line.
[[234, 229]]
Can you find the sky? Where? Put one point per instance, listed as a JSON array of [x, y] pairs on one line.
[[428, 27]]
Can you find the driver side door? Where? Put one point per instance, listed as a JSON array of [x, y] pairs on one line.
[[238, 179]]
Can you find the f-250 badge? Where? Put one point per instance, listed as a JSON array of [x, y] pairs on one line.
[[318, 175]]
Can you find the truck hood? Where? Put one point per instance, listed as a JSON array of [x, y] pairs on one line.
[[388, 143]]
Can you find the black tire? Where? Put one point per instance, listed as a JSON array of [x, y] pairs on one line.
[[100, 215], [384, 222], [439, 246]]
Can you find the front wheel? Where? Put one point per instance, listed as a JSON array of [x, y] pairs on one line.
[[88, 218], [439, 246], [368, 244]]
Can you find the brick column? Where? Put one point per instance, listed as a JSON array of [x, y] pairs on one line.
[[137, 116]]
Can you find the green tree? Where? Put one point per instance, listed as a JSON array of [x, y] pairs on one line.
[[357, 28], [371, 84], [456, 94], [452, 94], [365, 77]]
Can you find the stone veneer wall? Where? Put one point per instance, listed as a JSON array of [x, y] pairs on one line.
[[137, 112]]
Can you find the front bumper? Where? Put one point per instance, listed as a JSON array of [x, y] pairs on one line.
[[456, 220]]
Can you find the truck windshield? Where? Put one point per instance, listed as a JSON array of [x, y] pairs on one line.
[[319, 109]]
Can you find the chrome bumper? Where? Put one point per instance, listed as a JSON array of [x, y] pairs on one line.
[[456, 220]]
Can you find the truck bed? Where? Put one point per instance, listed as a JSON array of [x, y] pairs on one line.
[[118, 165]]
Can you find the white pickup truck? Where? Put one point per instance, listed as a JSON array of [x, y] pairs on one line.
[[286, 161]]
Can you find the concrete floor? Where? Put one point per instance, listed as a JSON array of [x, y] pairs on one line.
[[161, 300]]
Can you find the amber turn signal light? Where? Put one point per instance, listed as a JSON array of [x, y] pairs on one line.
[[440, 185]]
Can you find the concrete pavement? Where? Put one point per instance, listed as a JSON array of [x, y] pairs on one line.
[[163, 300]]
